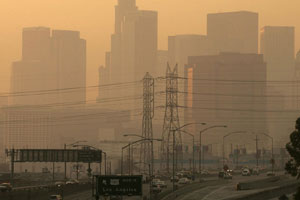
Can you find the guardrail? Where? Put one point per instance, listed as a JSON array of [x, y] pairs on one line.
[[43, 192]]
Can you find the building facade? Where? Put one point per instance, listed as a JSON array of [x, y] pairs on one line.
[[233, 31]]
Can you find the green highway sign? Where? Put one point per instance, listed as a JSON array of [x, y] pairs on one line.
[[119, 185]]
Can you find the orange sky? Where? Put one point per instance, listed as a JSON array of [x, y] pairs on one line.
[[95, 20]]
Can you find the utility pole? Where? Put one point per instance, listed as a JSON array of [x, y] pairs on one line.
[[65, 147], [171, 120], [256, 146], [146, 151]]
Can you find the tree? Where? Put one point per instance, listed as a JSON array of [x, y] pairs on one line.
[[293, 147]]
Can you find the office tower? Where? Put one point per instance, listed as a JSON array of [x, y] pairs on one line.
[[180, 47], [49, 63], [161, 64], [297, 79], [139, 45], [36, 44], [69, 57], [233, 31], [228, 89], [133, 45], [278, 47]]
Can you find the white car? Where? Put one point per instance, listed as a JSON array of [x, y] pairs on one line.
[[184, 181], [246, 172]]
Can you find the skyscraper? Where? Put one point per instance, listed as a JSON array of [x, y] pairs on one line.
[[133, 44], [180, 47], [69, 57], [233, 31], [49, 63], [278, 47], [228, 88]]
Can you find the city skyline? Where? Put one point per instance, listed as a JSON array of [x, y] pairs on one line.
[[96, 30]]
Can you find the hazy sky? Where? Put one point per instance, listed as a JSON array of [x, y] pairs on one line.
[[95, 20]]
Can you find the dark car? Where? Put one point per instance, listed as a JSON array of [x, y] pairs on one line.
[[5, 187], [221, 174]]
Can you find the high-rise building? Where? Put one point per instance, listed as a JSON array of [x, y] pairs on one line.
[[36, 43], [133, 45], [297, 79], [228, 89], [180, 47], [278, 47], [233, 31], [49, 63], [69, 57]]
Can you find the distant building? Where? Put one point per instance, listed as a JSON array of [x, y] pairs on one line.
[[180, 47], [226, 89], [49, 65], [233, 31], [162, 61], [278, 47], [297, 79], [133, 46]]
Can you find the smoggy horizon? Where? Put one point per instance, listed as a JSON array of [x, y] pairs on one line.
[[95, 21]]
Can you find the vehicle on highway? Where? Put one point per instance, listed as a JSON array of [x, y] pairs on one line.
[[227, 175], [156, 189], [59, 183], [221, 174], [269, 173], [176, 178], [155, 181], [204, 172], [72, 182], [162, 184], [246, 172], [5, 187], [55, 197], [255, 171], [184, 181]]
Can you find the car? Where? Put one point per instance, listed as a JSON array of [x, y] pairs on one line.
[[204, 172], [5, 187], [270, 173], [176, 178], [221, 174], [162, 184], [184, 181], [246, 172], [255, 171], [59, 183], [227, 176], [72, 182], [156, 189], [55, 197]]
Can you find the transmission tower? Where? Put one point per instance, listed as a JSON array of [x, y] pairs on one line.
[[171, 119], [146, 154]]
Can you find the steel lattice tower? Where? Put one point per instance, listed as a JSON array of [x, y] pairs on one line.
[[146, 154], [171, 119]]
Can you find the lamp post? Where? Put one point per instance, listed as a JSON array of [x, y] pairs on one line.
[[272, 161], [65, 147], [228, 134], [152, 152], [174, 131], [89, 146], [150, 176], [200, 144], [193, 149], [128, 145]]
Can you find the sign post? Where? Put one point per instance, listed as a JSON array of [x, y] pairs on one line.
[[112, 185]]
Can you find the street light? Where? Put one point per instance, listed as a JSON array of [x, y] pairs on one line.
[[228, 134], [65, 147], [128, 145], [265, 134], [150, 176], [89, 164], [193, 149], [174, 131], [200, 144]]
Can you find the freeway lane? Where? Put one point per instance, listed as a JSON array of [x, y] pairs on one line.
[[226, 190]]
